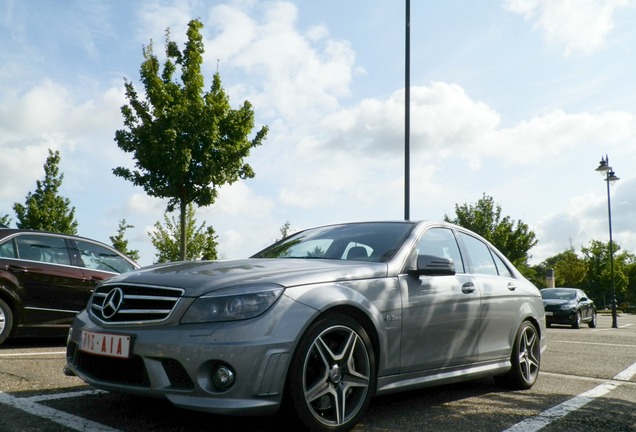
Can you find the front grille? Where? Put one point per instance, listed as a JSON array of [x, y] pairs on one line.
[[130, 371], [124, 303]]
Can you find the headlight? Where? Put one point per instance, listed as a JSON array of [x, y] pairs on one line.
[[568, 306], [232, 304]]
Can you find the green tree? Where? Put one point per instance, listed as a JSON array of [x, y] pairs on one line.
[[121, 244], [623, 262], [209, 244], [514, 240], [45, 209], [186, 142], [5, 220], [285, 230], [569, 269], [598, 281], [537, 275], [630, 295], [166, 239]]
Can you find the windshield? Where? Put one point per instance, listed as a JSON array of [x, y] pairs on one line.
[[558, 294], [373, 241]]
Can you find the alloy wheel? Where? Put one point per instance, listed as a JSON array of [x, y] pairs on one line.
[[529, 354], [336, 376]]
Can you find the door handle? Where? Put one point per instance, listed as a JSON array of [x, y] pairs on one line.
[[14, 268], [468, 288], [512, 286]]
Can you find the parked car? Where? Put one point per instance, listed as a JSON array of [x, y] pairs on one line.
[[570, 306], [47, 278], [315, 324]]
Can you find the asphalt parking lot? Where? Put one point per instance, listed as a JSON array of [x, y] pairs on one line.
[[587, 383]]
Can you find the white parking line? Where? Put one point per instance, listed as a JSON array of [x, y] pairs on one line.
[[33, 354], [594, 343], [556, 412], [609, 329], [31, 405]]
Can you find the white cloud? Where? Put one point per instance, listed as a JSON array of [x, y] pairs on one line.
[[236, 200], [41, 110], [289, 73], [156, 16], [578, 26], [545, 136]]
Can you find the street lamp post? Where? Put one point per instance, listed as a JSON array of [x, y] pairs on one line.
[[610, 178]]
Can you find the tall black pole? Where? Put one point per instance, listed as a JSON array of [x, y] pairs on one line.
[[407, 111], [611, 249]]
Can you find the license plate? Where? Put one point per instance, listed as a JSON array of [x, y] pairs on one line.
[[105, 344], [549, 313]]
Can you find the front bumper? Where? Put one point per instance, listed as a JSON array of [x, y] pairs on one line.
[[177, 362], [560, 316]]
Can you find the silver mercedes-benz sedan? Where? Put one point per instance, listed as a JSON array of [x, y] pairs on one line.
[[316, 324]]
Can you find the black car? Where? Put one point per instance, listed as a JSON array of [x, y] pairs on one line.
[[570, 306], [47, 278]]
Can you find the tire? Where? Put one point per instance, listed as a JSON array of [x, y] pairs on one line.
[[577, 320], [332, 375], [525, 359], [6, 321], [592, 322]]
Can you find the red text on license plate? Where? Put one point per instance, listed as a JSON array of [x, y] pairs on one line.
[[105, 344]]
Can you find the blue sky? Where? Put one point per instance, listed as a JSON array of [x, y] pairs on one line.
[[515, 99]]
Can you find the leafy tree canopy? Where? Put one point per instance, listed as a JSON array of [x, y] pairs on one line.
[[121, 244], [186, 142], [598, 280], [569, 269], [514, 240], [166, 239], [5, 220], [45, 209], [285, 230]]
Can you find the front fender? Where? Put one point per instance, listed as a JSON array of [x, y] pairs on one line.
[[379, 300]]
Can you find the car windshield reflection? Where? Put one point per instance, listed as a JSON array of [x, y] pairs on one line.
[[371, 242], [558, 295]]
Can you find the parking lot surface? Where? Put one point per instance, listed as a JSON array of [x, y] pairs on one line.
[[587, 383]]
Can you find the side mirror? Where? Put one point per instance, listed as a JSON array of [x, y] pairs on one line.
[[430, 265]]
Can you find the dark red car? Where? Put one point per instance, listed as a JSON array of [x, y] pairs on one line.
[[47, 278]]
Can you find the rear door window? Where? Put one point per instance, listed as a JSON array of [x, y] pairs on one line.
[[43, 248], [481, 260]]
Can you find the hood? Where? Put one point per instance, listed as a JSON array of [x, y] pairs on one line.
[[199, 277]]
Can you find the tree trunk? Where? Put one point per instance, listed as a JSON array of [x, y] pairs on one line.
[[182, 217]]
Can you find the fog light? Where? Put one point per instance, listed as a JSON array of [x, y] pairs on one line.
[[223, 377]]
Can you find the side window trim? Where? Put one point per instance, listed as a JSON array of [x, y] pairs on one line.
[[499, 262]]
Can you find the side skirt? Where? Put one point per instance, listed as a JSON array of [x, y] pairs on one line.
[[429, 378]]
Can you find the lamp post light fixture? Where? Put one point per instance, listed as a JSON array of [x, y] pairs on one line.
[[610, 178]]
